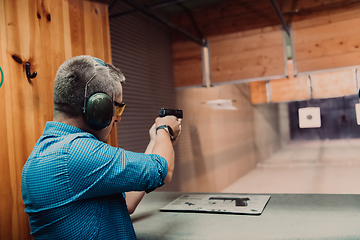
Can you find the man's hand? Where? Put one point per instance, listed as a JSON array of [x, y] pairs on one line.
[[173, 122]]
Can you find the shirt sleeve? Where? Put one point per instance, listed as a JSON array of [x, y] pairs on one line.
[[98, 169]]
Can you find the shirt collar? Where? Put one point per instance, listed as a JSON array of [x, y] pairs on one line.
[[58, 128]]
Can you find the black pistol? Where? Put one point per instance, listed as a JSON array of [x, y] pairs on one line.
[[175, 112], [239, 202]]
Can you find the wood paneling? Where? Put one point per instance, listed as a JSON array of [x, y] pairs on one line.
[[324, 85], [187, 64], [290, 88], [334, 84], [43, 33], [327, 42], [252, 54], [324, 31], [295, 11], [249, 56], [287, 89], [235, 54], [258, 92]]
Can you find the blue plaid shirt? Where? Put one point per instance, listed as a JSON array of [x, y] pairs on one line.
[[73, 185]]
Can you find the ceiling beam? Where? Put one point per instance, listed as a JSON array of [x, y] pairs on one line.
[[280, 15]]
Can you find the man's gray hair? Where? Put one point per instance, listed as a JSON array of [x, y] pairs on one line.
[[72, 76]]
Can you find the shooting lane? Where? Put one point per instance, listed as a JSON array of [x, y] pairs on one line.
[[218, 146], [286, 216], [260, 68], [43, 34]]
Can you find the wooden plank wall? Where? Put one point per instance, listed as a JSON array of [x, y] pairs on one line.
[[281, 90], [246, 55], [334, 84], [330, 84], [326, 48], [290, 88], [258, 92], [235, 53], [187, 64], [327, 41], [44, 33], [251, 54], [325, 34]]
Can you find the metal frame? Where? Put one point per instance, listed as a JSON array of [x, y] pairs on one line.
[[192, 19], [205, 56], [154, 6], [293, 52], [188, 87], [328, 70], [285, 53], [247, 80], [280, 15]]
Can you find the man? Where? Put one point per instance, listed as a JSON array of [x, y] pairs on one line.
[[73, 183]]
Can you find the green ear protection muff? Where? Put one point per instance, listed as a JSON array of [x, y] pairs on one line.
[[98, 111]]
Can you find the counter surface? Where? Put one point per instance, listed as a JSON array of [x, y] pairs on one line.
[[286, 216]]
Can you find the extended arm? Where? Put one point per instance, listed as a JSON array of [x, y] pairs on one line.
[[134, 198], [159, 144], [163, 145]]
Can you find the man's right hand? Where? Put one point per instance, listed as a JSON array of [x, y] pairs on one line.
[[172, 121]]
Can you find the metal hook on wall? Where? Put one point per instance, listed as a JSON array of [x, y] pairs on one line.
[[28, 73]]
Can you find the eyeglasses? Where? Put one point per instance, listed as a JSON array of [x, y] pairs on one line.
[[119, 108]]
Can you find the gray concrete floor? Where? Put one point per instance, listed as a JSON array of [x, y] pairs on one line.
[[325, 167]]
